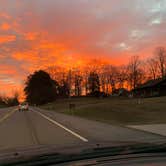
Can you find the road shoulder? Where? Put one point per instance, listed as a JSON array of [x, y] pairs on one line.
[[99, 131], [153, 128]]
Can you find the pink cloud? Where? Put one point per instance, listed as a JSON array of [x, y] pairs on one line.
[[37, 34]]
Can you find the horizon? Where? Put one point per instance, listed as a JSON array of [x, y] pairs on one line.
[[37, 35]]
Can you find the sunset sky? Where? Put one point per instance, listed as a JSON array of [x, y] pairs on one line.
[[36, 34]]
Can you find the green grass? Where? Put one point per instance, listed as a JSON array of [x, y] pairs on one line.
[[115, 110], [2, 106]]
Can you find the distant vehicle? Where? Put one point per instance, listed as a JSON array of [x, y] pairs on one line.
[[23, 106]]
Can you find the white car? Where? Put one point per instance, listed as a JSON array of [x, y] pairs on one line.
[[23, 107]]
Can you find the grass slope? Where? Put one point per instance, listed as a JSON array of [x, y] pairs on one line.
[[115, 110]]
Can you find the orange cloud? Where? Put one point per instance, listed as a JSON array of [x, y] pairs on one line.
[[30, 36], [54, 34], [5, 15], [5, 26], [7, 38], [8, 88], [29, 56]]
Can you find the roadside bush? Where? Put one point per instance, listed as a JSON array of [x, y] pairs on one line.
[[2, 101], [12, 101]]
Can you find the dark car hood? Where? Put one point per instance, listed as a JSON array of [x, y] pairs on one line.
[[88, 149]]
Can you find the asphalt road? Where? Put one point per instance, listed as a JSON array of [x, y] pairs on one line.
[[42, 127]]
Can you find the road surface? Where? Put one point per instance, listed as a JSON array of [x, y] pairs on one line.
[[42, 127]]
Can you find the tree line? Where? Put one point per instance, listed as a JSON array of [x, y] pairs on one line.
[[9, 101], [110, 77], [94, 79]]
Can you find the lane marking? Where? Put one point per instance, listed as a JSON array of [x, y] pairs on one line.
[[63, 127], [7, 115]]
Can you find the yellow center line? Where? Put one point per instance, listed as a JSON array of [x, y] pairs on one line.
[[7, 115]]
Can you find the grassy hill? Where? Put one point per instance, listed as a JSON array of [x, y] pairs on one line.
[[115, 110]]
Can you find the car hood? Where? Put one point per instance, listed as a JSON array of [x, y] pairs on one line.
[[78, 152]]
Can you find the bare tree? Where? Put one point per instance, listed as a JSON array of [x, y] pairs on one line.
[[152, 68], [135, 73], [77, 84], [77, 81], [121, 75], [112, 76], [160, 54], [93, 83], [57, 73], [103, 76], [70, 81], [85, 75]]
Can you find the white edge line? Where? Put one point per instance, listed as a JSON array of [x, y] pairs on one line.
[[60, 125]]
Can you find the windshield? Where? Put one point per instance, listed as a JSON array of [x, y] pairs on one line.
[[79, 73]]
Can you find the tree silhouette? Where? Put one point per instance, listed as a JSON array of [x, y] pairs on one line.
[[2, 101], [134, 72], [160, 53], [77, 84], [64, 90], [93, 83], [12, 101], [40, 88]]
